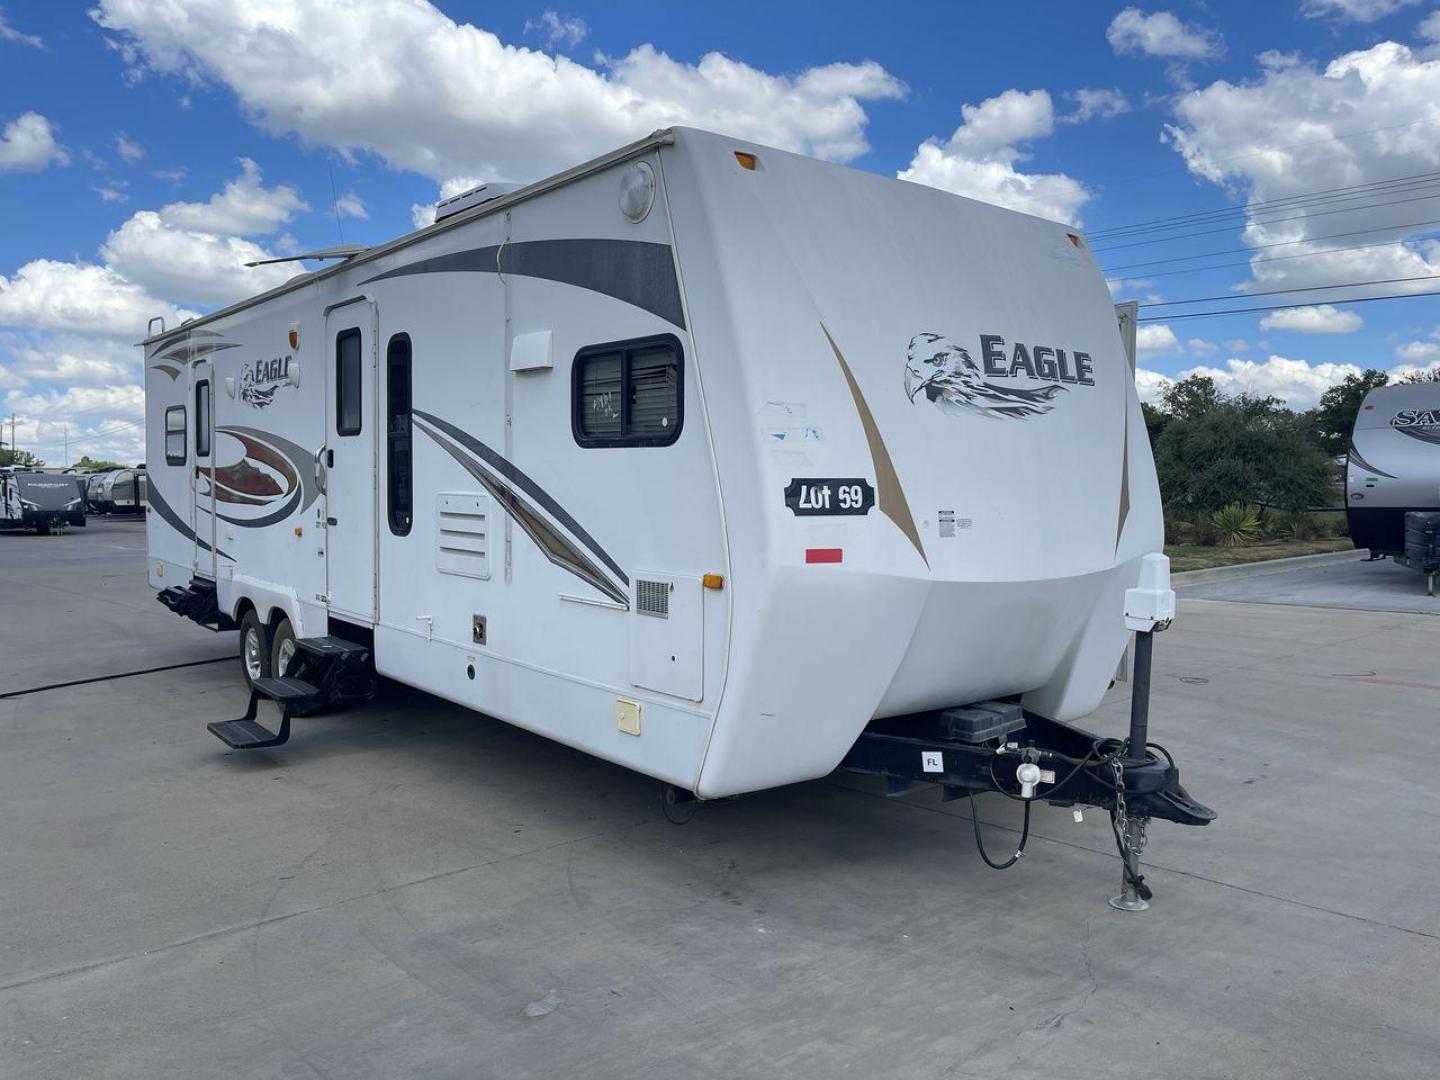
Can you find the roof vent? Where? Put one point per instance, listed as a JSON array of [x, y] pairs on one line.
[[474, 197]]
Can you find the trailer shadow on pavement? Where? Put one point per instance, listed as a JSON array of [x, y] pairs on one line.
[[1360, 585], [408, 888]]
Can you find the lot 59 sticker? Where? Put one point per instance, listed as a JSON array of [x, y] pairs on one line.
[[829, 497]]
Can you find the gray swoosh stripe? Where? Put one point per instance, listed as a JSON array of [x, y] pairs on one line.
[[1355, 457], [520, 480], [161, 507], [636, 271]]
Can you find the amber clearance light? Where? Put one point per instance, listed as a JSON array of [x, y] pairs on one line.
[[747, 161]]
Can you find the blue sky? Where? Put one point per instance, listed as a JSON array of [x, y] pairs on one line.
[[149, 148]]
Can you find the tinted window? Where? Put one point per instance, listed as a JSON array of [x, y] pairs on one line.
[[347, 383], [175, 435], [202, 419], [628, 393], [397, 434]]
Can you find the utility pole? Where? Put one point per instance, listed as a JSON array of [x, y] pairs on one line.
[[67, 444]]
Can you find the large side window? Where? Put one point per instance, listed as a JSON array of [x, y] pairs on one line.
[[175, 435], [202, 418], [399, 469], [628, 393], [347, 383]]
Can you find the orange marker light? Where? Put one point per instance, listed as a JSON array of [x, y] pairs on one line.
[[713, 581], [1074, 240], [747, 161]]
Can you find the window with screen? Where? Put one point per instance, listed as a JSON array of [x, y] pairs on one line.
[[628, 393], [202, 419], [399, 466], [175, 435], [347, 383]]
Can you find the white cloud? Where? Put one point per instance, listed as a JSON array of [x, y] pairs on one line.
[[1419, 352], [1150, 384], [1430, 26], [28, 142], [422, 214], [1093, 102], [448, 99], [189, 265], [1201, 347], [175, 176], [111, 193], [558, 29], [9, 33], [128, 148], [1365, 117], [1161, 34], [1362, 11], [1296, 382], [74, 359], [1319, 319], [350, 205], [1152, 338], [79, 297], [102, 421], [245, 208], [978, 160]]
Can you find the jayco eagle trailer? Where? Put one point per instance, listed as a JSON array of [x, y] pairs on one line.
[[718, 462], [1392, 475]]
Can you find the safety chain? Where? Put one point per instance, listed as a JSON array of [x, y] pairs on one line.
[[1135, 846]]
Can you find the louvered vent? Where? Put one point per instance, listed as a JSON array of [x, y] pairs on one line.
[[462, 534], [652, 598]]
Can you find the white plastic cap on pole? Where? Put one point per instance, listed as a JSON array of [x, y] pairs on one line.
[[1151, 604]]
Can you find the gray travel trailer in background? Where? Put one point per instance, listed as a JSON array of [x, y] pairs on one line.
[[39, 501], [1392, 477], [123, 492]]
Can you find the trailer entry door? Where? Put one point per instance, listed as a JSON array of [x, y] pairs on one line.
[[351, 431], [202, 476]]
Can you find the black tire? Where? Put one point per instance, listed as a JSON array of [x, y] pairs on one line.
[[254, 664], [281, 640], [42, 530]]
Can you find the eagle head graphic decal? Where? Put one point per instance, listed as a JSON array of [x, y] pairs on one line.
[[945, 373]]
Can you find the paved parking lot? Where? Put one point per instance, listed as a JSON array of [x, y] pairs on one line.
[[412, 890], [1357, 584]]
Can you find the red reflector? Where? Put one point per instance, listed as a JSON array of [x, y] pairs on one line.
[[824, 555]]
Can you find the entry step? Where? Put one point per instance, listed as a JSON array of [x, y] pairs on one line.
[[286, 691], [246, 734], [331, 647]]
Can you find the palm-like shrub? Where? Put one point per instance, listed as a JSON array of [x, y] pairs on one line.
[[1237, 525]]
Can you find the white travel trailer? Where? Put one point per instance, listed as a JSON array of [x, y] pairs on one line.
[[718, 462], [1392, 475]]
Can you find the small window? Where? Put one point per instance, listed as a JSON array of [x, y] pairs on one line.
[[175, 435], [628, 393], [400, 474], [347, 383], [202, 419]]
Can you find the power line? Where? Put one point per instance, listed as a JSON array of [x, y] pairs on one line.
[[1269, 221], [1286, 203], [1281, 243], [1282, 292], [1287, 258], [1280, 307]]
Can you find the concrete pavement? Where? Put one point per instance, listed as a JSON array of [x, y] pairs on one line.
[[409, 889]]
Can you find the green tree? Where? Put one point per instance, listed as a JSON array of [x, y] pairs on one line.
[[1335, 415], [87, 462], [1216, 451], [1155, 420], [20, 459]]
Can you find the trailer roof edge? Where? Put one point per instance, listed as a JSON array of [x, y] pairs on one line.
[[662, 137]]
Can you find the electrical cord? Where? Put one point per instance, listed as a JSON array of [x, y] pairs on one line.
[[980, 843]]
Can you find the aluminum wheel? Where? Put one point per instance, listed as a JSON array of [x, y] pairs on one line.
[[283, 656], [254, 654]]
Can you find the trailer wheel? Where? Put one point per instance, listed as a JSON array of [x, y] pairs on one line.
[[254, 648], [282, 647]]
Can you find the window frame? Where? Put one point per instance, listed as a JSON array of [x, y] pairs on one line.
[[399, 528], [172, 459], [345, 335], [202, 430], [626, 348]]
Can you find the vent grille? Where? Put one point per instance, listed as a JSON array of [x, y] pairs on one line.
[[652, 598], [462, 540]]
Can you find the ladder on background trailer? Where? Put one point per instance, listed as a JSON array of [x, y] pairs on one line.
[[323, 671]]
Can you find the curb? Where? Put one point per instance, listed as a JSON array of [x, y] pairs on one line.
[[1268, 566]]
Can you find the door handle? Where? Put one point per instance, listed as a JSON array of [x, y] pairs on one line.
[[329, 459], [331, 521]]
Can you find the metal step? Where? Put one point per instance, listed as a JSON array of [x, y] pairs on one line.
[[331, 647], [246, 734], [286, 690]]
